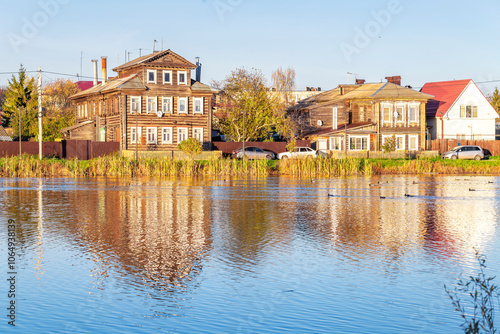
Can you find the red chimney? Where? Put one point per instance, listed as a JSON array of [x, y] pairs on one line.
[[360, 81], [395, 80]]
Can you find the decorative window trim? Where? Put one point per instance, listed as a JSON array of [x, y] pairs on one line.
[[151, 135], [417, 113], [361, 137], [135, 134], [179, 132], [334, 118], [197, 135], [403, 142], [333, 143], [170, 104], [400, 108], [167, 133], [179, 100], [167, 82], [147, 76], [179, 82], [410, 137], [383, 106], [151, 110], [139, 104], [201, 101]]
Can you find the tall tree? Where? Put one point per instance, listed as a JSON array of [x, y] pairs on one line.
[[58, 111], [245, 99], [21, 97], [283, 81], [495, 100]]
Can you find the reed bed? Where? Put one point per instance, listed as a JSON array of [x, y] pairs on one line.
[[30, 166]]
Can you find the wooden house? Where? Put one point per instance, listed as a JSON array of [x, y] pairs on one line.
[[366, 115], [152, 105]]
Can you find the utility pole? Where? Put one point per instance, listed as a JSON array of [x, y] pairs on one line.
[[19, 116], [40, 113]]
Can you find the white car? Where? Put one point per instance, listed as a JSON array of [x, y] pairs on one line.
[[299, 152]]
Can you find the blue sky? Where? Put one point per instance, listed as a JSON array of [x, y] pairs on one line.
[[322, 40]]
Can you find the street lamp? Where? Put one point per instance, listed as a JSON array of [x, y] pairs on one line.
[[243, 150]]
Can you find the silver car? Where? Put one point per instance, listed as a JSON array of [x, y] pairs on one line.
[[464, 152], [299, 152], [253, 153]]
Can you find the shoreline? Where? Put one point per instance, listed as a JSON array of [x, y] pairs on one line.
[[29, 166]]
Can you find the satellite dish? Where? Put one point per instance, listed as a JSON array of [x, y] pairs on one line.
[[320, 122], [159, 113]]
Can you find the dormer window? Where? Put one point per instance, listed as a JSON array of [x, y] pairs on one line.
[[182, 77], [151, 76]]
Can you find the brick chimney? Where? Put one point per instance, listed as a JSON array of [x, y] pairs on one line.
[[394, 79], [360, 81]]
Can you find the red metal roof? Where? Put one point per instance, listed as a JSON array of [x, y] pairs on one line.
[[445, 94], [84, 85]]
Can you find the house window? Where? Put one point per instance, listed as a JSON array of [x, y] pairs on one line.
[[198, 134], [135, 135], [413, 142], [198, 105], [167, 106], [182, 107], [335, 143], [412, 114], [399, 114], [386, 111], [334, 118], [358, 143], [468, 111], [182, 77], [166, 135], [182, 134], [167, 77], [135, 104], [152, 108], [400, 143], [151, 76], [151, 135]]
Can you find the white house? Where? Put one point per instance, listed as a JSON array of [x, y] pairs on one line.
[[459, 110]]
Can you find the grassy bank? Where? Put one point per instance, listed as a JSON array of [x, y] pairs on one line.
[[30, 166]]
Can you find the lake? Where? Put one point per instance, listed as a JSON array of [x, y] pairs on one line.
[[337, 255]]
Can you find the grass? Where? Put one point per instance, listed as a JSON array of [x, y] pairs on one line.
[[30, 166]]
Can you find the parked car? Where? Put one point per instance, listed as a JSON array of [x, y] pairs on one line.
[[254, 153], [299, 152], [464, 152]]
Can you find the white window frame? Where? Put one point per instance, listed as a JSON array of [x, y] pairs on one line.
[[397, 107], [163, 78], [151, 135], [179, 100], [201, 101], [410, 137], [169, 102], [138, 102], [147, 76], [179, 78], [403, 142], [417, 108], [198, 134], [150, 110], [135, 134], [333, 141], [334, 118], [180, 134], [361, 137], [167, 135], [383, 112], [473, 110]]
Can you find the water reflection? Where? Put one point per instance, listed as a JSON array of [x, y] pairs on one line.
[[158, 236]]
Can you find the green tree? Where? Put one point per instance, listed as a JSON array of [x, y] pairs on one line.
[[389, 145], [21, 97], [245, 99], [190, 146]]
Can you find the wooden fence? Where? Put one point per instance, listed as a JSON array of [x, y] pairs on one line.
[[66, 149], [443, 145]]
